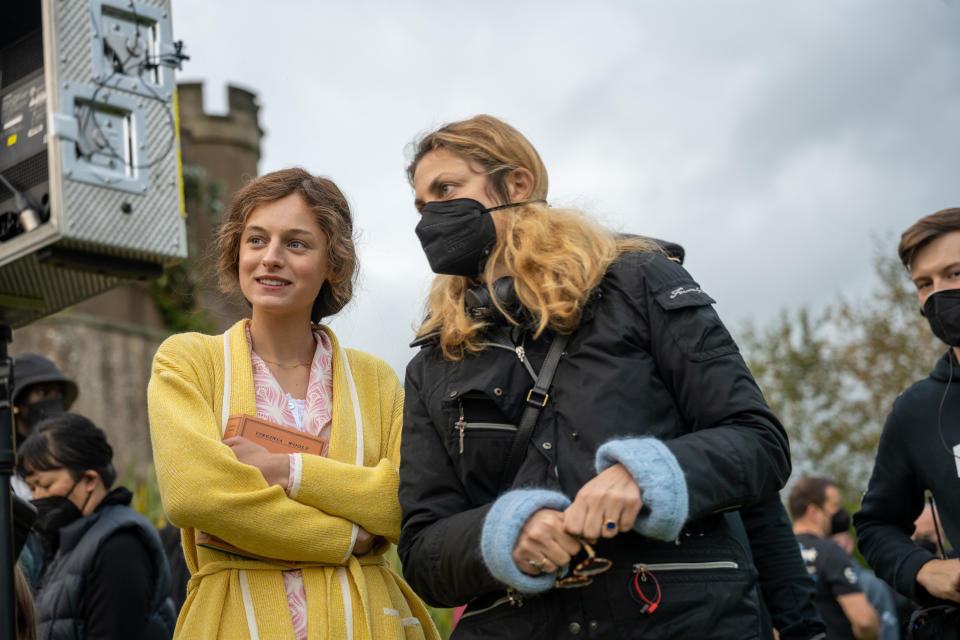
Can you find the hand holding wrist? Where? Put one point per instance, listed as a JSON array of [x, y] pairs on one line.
[[941, 578], [275, 467]]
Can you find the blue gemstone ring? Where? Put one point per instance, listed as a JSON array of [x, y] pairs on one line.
[[610, 525]]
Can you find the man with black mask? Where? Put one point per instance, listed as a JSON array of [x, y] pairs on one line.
[[817, 514], [40, 391], [920, 443]]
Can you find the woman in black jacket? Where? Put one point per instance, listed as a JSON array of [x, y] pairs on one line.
[[104, 573], [651, 429]]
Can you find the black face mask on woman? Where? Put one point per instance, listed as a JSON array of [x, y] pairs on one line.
[[942, 311], [54, 513], [458, 235]]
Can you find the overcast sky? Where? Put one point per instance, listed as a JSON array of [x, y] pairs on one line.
[[773, 140]]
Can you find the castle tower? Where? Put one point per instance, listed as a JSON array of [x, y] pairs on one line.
[[220, 154]]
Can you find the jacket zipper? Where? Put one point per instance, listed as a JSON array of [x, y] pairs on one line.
[[520, 353], [491, 426], [461, 424], [513, 597], [684, 566]]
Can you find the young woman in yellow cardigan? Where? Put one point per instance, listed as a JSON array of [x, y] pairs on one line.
[[312, 528]]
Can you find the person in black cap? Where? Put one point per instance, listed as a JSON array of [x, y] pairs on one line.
[[40, 391]]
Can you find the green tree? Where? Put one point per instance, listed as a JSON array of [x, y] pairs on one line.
[[832, 375], [176, 291]]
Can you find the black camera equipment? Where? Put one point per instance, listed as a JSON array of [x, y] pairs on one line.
[[90, 179]]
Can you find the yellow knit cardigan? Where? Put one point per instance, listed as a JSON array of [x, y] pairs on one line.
[[204, 487]]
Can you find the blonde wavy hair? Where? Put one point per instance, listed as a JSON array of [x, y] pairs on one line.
[[556, 256]]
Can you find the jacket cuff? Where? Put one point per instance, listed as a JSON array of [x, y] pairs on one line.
[[659, 476], [502, 527], [907, 577], [296, 475]]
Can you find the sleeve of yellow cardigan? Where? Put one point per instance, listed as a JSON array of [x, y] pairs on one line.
[[365, 495], [204, 486]]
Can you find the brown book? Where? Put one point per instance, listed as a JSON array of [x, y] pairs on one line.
[[275, 438], [204, 539]]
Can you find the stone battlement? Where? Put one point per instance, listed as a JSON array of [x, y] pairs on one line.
[[238, 127]]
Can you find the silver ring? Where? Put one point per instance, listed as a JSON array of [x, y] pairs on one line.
[[536, 565]]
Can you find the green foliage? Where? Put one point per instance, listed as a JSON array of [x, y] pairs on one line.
[[832, 376], [176, 291], [175, 296], [146, 494]]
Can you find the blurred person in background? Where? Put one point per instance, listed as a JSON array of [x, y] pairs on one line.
[[24, 515], [885, 601], [104, 573], [40, 391], [925, 529], [815, 507]]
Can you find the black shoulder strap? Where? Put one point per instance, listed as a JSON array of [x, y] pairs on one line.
[[536, 399]]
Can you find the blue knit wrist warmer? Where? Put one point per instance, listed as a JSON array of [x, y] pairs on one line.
[[659, 476], [502, 527]]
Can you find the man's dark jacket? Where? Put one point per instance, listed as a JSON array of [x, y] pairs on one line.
[[651, 358], [916, 453]]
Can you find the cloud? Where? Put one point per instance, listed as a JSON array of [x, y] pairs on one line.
[[771, 139]]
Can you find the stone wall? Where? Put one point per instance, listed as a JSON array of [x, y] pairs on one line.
[[110, 362]]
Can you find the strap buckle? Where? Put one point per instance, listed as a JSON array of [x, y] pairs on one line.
[[539, 400]]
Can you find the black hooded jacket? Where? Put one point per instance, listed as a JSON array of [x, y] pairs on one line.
[[651, 358], [914, 455]]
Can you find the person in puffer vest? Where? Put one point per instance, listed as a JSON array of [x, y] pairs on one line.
[[104, 572]]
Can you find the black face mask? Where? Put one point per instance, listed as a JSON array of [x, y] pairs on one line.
[[37, 413], [840, 522], [54, 513], [458, 235], [942, 311], [43, 409]]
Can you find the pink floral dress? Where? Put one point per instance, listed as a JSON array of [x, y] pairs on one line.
[[311, 415]]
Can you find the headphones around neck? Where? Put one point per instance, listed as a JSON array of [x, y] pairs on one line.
[[480, 305]]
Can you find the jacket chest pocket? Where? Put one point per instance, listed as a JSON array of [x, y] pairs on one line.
[[719, 593], [478, 439]]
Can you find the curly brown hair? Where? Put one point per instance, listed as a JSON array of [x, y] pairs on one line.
[[332, 213]]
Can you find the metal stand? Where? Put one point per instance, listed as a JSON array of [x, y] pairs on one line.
[[8, 622]]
